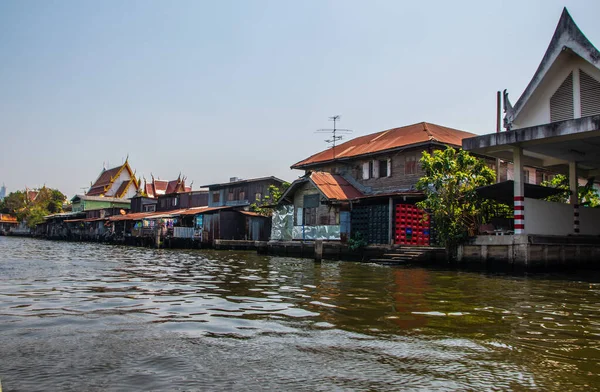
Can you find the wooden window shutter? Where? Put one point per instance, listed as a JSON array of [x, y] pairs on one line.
[[561, 103], [590, 95], [389, 167], [375, 169], [365, 169]]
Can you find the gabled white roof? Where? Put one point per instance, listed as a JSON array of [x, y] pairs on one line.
[[566, 36]]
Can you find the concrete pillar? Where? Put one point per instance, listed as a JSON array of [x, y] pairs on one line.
[[318, 250], [573, 183], [574, 198], [519, 191]]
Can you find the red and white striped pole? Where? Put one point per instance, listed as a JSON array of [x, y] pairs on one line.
[[519, 191], [576, 218], [519, 214]]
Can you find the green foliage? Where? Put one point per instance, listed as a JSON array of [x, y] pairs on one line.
[[449, 183], [588, 196], [48, 201], [14, 202], [264, 205], [357, 241]]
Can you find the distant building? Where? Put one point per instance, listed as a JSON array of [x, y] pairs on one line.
[[84, 203], [2, 192], [163, 195], [118, 182], [7, 223], [240, 193]]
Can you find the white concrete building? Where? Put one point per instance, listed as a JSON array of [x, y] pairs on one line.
[[555, 125]]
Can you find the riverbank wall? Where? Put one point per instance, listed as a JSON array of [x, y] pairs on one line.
[[531, 252]]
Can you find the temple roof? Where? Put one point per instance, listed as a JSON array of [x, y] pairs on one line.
[[107, 177], [566, 36], [157, 188]]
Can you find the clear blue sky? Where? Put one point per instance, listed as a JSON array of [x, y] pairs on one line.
[[236, 88]]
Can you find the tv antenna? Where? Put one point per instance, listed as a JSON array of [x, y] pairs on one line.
[[334, 132]]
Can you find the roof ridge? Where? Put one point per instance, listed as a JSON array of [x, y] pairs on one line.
[[426, 129], [566, 34]]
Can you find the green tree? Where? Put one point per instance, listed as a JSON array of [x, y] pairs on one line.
[[265, 205], [14, 202], [588, 196], [48, 201], [449, 184]]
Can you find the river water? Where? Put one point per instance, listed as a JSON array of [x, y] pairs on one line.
[[91, 317]]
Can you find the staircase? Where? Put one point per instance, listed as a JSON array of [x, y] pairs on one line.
[[413, 255]]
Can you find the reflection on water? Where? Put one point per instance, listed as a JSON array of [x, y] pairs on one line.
[[93, 317]]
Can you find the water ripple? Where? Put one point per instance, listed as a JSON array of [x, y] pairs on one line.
[[79, 316]]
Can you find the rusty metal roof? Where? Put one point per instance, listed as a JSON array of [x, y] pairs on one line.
[[85, 220], [406, 136], [5, 218], [165, 214], [202, 210], [334, 186], [253, 214], [134, 216]]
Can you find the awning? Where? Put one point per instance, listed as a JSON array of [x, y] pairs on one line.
[[503, 192]]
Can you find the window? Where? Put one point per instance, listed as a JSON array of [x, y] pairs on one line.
[[242, 195], [230, 195], [385, 167], [310, 216], [311, 205], [526, 176], [366, 172], [150, 208], [258, 196], [329, 218], [547, 177], [216, 197], [410, 164]]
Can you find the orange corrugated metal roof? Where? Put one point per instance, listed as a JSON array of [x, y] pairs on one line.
[[201, 210], [392, 138], [4, 218], [250, 213], [134, 216], [161, 214], [334, 186]]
